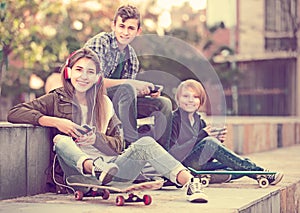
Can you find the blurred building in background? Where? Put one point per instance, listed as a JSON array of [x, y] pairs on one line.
[[263, 52]]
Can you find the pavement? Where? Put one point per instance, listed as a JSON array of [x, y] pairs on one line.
[[243, 195]]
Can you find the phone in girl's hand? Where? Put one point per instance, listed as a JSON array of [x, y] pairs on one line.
[[87, 129]]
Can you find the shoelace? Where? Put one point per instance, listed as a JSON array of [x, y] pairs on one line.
[[270, 177], [196, 187], [97, 168]]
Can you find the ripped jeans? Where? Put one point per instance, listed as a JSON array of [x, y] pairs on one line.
[[130, 162], [147, 150], [211, 148]]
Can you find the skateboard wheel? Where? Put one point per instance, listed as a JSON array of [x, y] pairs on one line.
[[78, 195], [205, 182], [147, 199], [120, 200], [105, 194], [263, 182]]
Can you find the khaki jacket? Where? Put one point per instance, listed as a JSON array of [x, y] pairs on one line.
[[59, 104]]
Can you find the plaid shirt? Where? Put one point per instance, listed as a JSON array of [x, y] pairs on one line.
[[106, 46]]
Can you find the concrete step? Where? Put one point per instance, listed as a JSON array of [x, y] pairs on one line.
[[243, 195]]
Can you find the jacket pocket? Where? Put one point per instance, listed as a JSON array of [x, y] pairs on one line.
[[64, 110]]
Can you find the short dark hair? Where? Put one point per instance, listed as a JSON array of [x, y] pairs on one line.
[[128, 12]]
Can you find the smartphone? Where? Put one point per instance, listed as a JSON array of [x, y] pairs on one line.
[[156, 88], [87, 129], [218, 129]]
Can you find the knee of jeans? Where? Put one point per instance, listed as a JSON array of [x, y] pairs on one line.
[[146, 140], [212, 141], [165, 104], [128, 89], [61, 141]]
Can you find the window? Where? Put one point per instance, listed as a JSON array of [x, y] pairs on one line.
[[280, 25]]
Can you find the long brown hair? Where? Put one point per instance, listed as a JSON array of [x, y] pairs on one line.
[[94, 96]]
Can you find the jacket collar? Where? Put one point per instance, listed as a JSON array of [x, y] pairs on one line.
[[114, 42], [184, 115], [64, 96]]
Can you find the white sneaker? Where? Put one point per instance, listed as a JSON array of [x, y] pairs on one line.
[[194, 192], [104, 171], [274, 178]]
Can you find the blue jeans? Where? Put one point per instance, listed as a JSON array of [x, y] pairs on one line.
[[124, 101], [129, 107], [147, 150], [210, 148], [69, 155], [161, 109], [130, 162]]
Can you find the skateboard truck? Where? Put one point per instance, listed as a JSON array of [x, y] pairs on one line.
[[105, 194], [261, 176], [132, 198], [89, 187]]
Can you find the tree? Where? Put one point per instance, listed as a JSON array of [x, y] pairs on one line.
[[24, 33], [36, 35]]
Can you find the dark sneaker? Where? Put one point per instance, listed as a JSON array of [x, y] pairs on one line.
[[168, 183], [104, 171], [275, 178], [194, 192]]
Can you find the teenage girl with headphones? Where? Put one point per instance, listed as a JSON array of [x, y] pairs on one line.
[[98, 153]]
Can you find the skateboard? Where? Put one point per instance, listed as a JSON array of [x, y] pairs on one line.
[[89, 186], [206, 175]]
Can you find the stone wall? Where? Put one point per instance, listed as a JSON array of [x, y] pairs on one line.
[[25, 154], [25, 149]]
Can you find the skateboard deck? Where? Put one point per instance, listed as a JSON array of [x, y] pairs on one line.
[[261, 175], [89, 186]]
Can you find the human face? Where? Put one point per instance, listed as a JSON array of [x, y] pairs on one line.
[[83, 75], [188, 100], [125, 31]]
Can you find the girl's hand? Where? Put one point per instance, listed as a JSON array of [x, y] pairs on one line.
[[68, 127], [87, 139]]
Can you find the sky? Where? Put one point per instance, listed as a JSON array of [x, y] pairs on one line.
[[167, 4]]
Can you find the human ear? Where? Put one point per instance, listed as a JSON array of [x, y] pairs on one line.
[[113, 26], [139, 31]]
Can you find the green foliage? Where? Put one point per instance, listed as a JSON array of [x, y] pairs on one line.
[[37, 35], [189, 35]]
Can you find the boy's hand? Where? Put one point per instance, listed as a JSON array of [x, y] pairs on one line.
[[219, 133], [144, 88]]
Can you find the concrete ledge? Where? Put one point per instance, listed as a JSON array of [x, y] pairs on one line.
[[25, 149], [243, 195], [25, 154], [257, 134]]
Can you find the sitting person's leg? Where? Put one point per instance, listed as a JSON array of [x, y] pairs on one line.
[[210, 147], [74, 161], [146, 149], [123, 98], [161, 109]]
